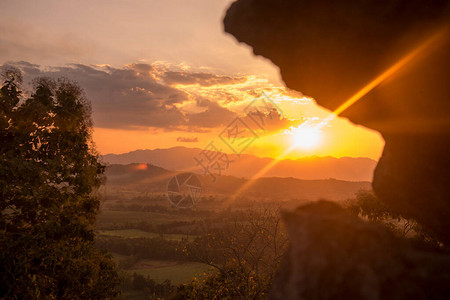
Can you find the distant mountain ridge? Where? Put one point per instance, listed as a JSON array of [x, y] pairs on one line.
[[142, 179], [247, 165]]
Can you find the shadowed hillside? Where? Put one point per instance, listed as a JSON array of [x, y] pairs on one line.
[[145, 178], [182, 158]]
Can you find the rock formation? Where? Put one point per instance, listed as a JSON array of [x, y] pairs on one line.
[[331, 49], [335, 255]]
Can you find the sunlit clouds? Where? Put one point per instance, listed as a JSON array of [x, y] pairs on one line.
[[168, 105], [162, 75]]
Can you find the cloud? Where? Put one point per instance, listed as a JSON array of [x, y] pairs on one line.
[[141, 96], [133, 98], [202, 79], [213, 116], [267, 122], [127, 98], [187, 140]]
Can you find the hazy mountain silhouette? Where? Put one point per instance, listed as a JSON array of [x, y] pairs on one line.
[[145, 178], [246, 165]]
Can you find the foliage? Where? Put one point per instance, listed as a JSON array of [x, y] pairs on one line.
[[231, 284], [150, 288], [246, 254], [367, 205], [48, 177]]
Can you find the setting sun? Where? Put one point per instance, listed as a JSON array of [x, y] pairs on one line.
[[305, 137]]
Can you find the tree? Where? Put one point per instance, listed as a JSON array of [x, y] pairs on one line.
[[49, 175], [245, 253], [367, 205]]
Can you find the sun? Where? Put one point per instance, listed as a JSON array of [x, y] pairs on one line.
[[305, 137]]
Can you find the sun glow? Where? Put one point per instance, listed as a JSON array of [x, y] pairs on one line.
[[305, 137], [309, 136]]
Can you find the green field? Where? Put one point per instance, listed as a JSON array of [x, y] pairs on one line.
[[136, 233], [177, 272], [122, 216]]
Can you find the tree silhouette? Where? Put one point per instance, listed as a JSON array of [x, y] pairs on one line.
[[49, 174], [246, 254]]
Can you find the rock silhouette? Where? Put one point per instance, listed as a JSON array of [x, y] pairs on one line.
[[335, 255], [331, 49]]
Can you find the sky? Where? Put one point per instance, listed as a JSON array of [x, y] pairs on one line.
[[161, 74]]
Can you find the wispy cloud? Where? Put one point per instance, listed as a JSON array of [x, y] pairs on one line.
[[187, 139]]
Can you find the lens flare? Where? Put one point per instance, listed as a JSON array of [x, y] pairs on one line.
[[310, 136]]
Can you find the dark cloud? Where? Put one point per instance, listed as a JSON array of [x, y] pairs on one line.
[[142, 67], [269, 121], [26, 67], [187, 140], [215, 115], [128, 97], [202, 79], [131, 97]]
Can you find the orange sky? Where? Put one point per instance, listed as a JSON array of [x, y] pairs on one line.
[[337, 139], [190, 70]]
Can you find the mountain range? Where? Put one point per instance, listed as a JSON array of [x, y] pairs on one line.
[[142, 179], [247, 165]]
